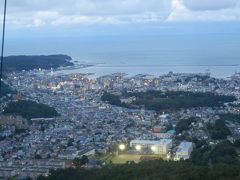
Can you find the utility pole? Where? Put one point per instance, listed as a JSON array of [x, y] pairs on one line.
[[3, 41]]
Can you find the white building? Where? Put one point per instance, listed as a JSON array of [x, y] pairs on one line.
[[128, 100], [88, 153], [160, 147], [184, 150]]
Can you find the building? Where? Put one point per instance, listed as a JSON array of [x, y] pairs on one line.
[[163, 135], [13, 120], [159, 129], [237, 109], [43, 120], [30, 168], [161, 147], [184, 150], [88, 153], [128, 100]]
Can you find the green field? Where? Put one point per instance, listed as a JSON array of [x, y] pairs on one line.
[[123, 158]]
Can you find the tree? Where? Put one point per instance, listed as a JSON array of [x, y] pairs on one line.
[[237, 143], [184, 124], [70, 142], [219, 130], [6, 90], [225, 153], [156, 169], [37, 156], [169, 101], [78, 162], [30, 109], [111, 98], [19, 63]]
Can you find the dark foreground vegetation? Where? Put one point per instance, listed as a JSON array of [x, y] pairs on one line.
[[152, 170], [18, 63], [206, 163], [30, 109], [169, 101], [230, 117], [6, 90], [219, 130], [223, 153]]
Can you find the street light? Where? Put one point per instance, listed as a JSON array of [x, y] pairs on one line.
[[169, 155], [122, 147], [138, 147]]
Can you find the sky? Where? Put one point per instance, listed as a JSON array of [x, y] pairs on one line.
[[75, 27], [27, 14], [100, 18]]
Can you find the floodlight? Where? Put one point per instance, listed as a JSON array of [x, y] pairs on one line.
[[122, 147], [138, 147], [153, 148]]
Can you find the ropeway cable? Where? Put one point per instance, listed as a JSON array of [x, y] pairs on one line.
[[3, 41]]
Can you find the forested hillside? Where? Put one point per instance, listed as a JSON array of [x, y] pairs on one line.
[[18, 63]]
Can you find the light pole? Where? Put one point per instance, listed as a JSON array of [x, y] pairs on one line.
[[3, 41]]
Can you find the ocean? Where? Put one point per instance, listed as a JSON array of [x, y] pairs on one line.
[[218, 54]]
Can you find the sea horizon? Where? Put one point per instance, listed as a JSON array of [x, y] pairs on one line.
[[153, 54]]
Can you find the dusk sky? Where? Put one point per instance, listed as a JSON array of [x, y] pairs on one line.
[[49, 18], [78, 27]]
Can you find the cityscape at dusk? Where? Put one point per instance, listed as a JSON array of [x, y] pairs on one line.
[[120, 90]]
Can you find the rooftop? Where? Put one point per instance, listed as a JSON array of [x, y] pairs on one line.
[[151, 142]]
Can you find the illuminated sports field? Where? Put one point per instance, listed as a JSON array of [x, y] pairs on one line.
[[123, 158]]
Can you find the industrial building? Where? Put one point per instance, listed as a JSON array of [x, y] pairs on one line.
[[161, 147], [184, 150]]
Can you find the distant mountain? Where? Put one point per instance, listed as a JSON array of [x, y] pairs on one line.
[[18, 63]]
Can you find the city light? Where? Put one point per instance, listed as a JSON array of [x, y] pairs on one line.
[[138, 147], [153, 148], [122, 147]]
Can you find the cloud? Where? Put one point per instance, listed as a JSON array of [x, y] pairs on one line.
[[68, 20], [208, 10], [91, 7], [199, 5], [38, 13], [38, 22]]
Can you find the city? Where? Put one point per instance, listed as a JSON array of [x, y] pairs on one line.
[[120, 90], [88, 126]]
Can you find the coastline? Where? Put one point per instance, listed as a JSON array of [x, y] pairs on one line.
[[101, 69]]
